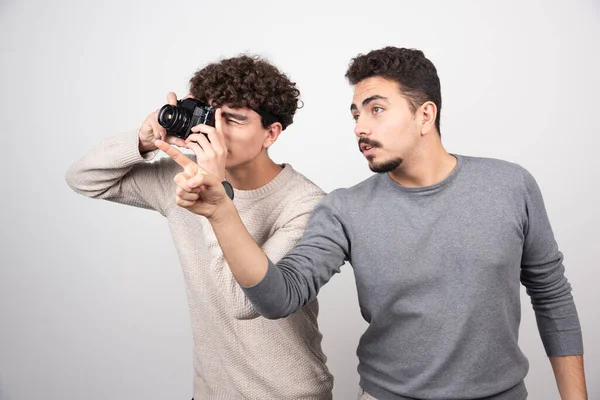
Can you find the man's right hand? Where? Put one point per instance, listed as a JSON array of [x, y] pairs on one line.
[[150, 131]]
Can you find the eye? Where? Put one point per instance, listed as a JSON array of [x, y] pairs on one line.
[[355, 117], [377, 110], [232, 121]]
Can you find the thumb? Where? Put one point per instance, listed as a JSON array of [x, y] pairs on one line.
[[172, 98]]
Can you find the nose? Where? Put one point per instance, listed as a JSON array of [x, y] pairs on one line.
[[361, 128]]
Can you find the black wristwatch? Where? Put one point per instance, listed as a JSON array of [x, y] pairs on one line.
[[228, 189]]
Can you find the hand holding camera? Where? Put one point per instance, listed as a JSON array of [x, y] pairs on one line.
[[151, 130], [208, 144], [195, 125]]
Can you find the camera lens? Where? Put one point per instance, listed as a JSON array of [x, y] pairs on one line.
[[173, 119]]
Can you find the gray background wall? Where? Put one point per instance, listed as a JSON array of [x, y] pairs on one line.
[[91, 296]]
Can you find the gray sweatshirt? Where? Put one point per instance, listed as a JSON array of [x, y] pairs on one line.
[[438, 272]]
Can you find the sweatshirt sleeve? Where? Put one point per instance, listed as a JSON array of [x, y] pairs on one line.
[[296, 279], [543, 275], [284, 238], [114, 170]]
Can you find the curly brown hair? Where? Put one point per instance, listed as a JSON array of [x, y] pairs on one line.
[[416, 75], [248, 81]]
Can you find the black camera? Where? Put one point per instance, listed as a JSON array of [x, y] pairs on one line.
[[180, 119]]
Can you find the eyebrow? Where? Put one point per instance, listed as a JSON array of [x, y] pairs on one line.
[[367, 101], [239, 117]]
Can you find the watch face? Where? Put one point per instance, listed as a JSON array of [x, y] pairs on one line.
[[228, 189]]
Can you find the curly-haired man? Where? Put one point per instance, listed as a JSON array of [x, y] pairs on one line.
[[238, 354], [439, 243]]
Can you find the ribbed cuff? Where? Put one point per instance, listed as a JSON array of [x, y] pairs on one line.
[[128, 149]]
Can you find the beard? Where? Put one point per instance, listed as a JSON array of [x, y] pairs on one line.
[[386, 166]]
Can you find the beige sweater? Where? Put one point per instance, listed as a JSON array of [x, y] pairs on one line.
[[237, 353]]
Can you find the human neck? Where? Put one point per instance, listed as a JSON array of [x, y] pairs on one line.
[[425, 167], [253, 174]]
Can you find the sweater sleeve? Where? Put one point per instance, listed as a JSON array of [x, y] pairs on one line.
[[115, 170], [543, 274], [296, 279], [284, 238]]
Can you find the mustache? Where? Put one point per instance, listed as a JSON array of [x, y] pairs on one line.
[[365, 140]]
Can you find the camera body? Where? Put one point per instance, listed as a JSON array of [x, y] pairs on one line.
[[180, 119]]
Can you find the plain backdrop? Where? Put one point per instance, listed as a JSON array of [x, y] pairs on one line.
[[92, 303]]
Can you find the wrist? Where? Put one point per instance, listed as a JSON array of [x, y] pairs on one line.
[[225, 212], [222, 174]]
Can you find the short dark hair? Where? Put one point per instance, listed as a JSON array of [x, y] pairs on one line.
[[416, 75], [248, 81]]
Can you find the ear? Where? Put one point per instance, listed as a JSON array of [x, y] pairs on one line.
[[427, 113], [271, 134]]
